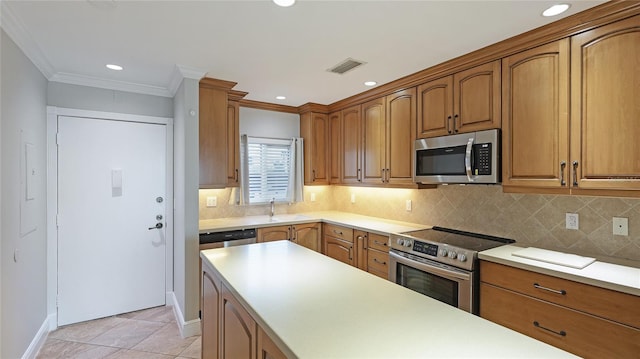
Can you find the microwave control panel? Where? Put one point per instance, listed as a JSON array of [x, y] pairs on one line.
[[483, 162]]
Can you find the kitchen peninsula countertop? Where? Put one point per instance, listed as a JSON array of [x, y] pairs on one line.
[[370, 224], [622, 278], [315, 307]]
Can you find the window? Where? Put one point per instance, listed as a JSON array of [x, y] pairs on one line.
[[269, 164]]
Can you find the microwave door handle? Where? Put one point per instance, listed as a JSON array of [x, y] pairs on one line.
[[467, 159]]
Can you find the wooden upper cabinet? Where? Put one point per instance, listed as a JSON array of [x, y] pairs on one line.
[[314, 128], [351, 171], [401, 133], [373, 141], [435, 108], [233, 144], [476, 98], [605, 110], [335, 147], [535, 142], [463, 102], [213, 137]]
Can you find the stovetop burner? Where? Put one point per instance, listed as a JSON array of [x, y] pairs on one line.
[[445, 245]]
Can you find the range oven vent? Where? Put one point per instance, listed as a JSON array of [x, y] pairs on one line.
[[346, 65]]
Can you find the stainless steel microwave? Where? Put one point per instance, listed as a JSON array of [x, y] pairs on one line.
[[465, 158]]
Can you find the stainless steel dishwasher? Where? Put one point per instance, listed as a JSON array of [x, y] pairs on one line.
[[211, 240]]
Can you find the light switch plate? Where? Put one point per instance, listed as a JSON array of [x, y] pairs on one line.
[[212, 201], [408, 205], [313, 197], [620, 226], [572, 221], [353, 198]]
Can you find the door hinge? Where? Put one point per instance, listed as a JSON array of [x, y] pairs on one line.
[[57, 301], [58, 138], [57, 219]]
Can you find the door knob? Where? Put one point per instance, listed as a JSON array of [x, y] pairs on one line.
[[157, 226]]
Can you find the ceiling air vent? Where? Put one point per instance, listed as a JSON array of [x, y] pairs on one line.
[[346, 65]]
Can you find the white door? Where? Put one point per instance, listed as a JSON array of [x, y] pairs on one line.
[[111, 188]]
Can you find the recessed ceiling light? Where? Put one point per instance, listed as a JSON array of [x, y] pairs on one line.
[[114, 67], [284, 3], [555, 10], [370, 83], [281, 98]]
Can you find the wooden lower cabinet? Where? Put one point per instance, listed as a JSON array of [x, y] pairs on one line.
[[339, 249], [306, 234], [364, 250], [589, 321], [277, 233], [228, 330]]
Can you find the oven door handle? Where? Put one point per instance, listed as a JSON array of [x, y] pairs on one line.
[[467, 159], [428, 267]]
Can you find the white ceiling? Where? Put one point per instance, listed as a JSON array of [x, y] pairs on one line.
[[266, 49]]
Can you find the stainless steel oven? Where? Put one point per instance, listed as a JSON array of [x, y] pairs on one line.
[[440, 263]]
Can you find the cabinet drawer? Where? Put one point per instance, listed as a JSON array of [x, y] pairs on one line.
[[378, 262], [340, 232], [584, 334], [619, 307], [378, 242]]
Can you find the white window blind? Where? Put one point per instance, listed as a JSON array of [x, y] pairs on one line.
[[269, 163]]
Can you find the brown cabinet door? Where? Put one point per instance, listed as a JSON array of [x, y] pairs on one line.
[[351, 172], [238, 329], [233, 144], [401, 134], [267, 349], [277, 233], [373, 141], [605, 110], [335, 147], [476, 98], [314, 128], [307, 235], [535, 145], [210, 315], [339, 249], [213, 138], [435, 107], [361, 252]]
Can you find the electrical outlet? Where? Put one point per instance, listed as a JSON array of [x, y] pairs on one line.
[[313, 197], [212, 201], [572, 221], [353, 198], [408, 205], [620, 226]]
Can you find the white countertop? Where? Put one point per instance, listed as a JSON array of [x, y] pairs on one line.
[[617, 277], [370, 224], [315, 307]]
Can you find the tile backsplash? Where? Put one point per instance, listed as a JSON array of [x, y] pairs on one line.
[[530, 219]]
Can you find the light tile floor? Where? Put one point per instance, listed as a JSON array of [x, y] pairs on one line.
[[146, 334]]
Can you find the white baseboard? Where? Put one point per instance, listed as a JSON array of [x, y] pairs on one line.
[[187, 329], [41, 337]]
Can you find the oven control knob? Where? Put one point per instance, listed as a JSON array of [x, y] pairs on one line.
[[400, 241], [462, 257], [452, 255], [443, 252], [407, 243]]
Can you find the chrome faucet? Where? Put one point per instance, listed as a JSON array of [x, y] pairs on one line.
[[273, 207]]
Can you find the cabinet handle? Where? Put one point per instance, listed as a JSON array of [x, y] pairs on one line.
[[236, 176], [563, 164], [455, 129], [380, 262], [382, 175], [575, 173], [313, 175], [364, 243], [359, 175], [380, 243], [387, 175], [561, 291], [336, 232], [449, 124], [350, 254], [561, 333]]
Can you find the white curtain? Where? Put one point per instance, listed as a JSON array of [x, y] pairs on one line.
[[296, 173], [242, 196]]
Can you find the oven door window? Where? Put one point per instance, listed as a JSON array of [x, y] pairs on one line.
[[447, 161], [436, 287]]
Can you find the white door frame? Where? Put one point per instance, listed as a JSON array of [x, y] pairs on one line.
[[52, 196]]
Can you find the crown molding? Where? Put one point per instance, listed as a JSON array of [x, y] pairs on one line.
[[82, 80], [268, 106], [19, 34], [181, 72]]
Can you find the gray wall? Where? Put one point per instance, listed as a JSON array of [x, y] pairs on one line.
[[186, 183], [97, 99], [24, 282]]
